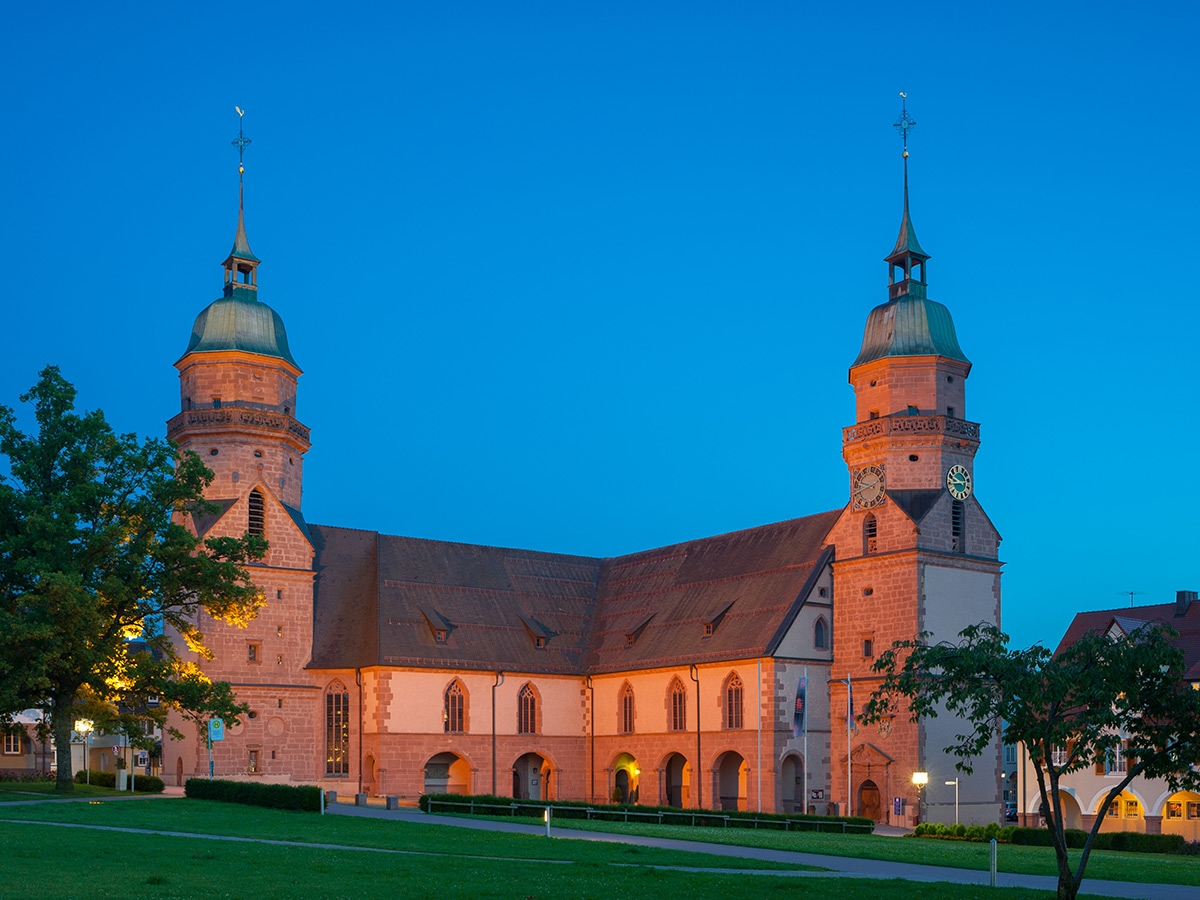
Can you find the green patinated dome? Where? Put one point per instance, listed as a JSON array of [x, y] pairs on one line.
[[909, 326], [239, 322]]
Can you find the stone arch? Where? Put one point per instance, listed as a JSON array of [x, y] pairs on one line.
[[675, 774], [532, 776], [731, 771], [448, 772], [626, 778], [792, 780]]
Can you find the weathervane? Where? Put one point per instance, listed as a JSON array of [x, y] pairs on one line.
[[905, 123], [241, 142]]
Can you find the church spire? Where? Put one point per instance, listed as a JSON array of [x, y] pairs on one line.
[[907, 255], [240, 275]]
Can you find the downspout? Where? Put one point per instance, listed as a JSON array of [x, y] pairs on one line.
[[694, 674], [499, 681], [592, 723], [758, 765], [358, 681]]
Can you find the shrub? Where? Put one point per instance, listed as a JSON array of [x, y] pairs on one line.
[[960, 830], [940, 829], [991, 831], [578, 809], [143, 784], [1129, 841], [973, 832], [272, 796], [26, 777]]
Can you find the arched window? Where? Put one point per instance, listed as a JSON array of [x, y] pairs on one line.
[[337, 729], [820, 635], [454, 708], [733, 702], [870, 531], [678, 706], [257, 521], [527, 710], [626, 722]]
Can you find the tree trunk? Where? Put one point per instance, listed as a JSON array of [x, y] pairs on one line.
[[62, 723]]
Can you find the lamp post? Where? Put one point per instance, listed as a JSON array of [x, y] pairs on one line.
[[955, 783], [920, 779], [84, 727]]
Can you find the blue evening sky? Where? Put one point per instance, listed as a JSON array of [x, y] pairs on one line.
[[588, 277]]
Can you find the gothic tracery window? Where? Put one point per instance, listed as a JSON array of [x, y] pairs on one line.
[[527, 710], [454, 707], [337, 729], [627, 709], [733, 702], [678, 706]]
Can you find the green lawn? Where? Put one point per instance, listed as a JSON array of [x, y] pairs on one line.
[[1105, 864], [89, 864], [11, 791]]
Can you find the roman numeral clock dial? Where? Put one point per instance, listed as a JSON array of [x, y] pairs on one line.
[[958, 483], [868, 486]]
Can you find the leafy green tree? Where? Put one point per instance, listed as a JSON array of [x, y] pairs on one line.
[[1085, 701], [92, 557]]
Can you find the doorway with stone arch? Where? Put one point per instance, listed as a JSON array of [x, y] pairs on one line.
[[791, 783], [731, 780], [677, 778], [531, 778]]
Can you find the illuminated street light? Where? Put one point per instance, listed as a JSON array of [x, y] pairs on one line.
[[84, 727], [920, 779]]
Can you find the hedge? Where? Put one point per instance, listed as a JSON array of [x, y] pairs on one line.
[[577, 809], [1129, 841], [962, 832], [272, 796], [26, 777], [143, 784]]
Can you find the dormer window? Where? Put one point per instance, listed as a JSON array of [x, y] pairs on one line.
[[538, 633], [439, 627], [635, 632], [713, 620]]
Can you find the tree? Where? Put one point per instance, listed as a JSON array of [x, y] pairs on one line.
[[1085, 701], [93, 556]]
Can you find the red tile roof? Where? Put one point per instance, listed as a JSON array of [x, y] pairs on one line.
[[1129, 618], [376, 596]]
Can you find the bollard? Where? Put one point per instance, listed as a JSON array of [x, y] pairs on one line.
[[547, 821], [993, 862], [360, 799], [393, 802]]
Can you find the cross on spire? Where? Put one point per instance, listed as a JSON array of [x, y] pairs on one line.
[[905, 123], [241, 142]]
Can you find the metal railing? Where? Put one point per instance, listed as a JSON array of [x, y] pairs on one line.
[[694, 818]]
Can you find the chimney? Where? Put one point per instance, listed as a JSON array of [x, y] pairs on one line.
[[1183, 600]]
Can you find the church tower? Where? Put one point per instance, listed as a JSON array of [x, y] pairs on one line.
[[238, 383], [915, 551]]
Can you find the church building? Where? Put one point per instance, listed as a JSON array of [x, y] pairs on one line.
[[713, 673]]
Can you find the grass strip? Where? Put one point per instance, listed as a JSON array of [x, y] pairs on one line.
[[1146, 868], [212, 817], [89, 864]]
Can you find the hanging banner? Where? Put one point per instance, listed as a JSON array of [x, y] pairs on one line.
[[801, 702]]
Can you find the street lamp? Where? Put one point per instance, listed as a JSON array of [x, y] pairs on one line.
[[84, 727], [955, 783], [920, 779]]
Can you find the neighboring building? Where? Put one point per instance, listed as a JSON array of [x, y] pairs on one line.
[[397, 665], [1147, 804], [22, 752]]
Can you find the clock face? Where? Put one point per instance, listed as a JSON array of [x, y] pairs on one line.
[[868, 487], [958, 483]]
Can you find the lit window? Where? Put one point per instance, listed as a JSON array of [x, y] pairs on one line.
[[733, 703], [1131, 809], [1114, 809], [527, 710], [1174, 809], [627, 710], [1193, 810], [12, 743], [253, 762], [337, 729], [453, 706], [678, 706]]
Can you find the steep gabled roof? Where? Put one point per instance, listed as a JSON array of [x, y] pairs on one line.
[[1129, 619], [375, 596]]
